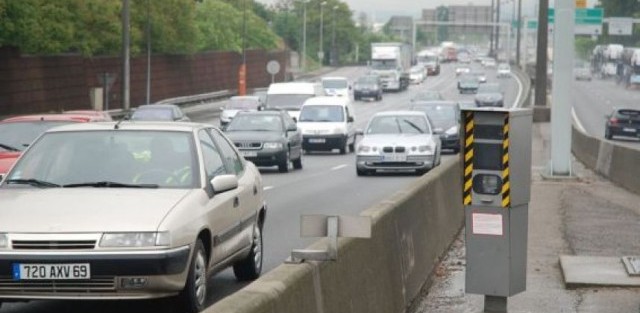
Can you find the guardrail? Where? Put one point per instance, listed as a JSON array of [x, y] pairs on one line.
[[411, 231], [525, 88]]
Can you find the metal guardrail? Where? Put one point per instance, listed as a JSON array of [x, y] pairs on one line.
[[525, 99]]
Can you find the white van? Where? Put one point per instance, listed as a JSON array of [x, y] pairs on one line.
[[327, 123], [289, 96], [336, 86]]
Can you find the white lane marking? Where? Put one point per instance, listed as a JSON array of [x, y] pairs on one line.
[[577, 120], [335, 168], [265, 188], [520, 87]]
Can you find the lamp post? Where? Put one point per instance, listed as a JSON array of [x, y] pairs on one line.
[[321, 50], [304, 35], [518, 30], [333, 38], [148, 31], [125, 54]]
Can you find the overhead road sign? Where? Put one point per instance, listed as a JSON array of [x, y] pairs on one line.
[[622, 26], [587, 21]]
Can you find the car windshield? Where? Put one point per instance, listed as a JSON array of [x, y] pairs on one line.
[[242, 104], [287, 101], [365, 80], [383, 64], [153, 114], [112, 158], [489, 88], [429, 95], [18, 135], [503, 67], [468, 79], [438, 112], [334, 83], [398, 124], [322, 113], [252, 122]]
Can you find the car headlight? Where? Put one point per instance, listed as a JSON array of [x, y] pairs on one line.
[[364, 149], [143, 239], [338, 131], [452, 131], [424, 149], [272, 145], [4, 241]]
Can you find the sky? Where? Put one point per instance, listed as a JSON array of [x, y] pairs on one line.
[[383, 9]]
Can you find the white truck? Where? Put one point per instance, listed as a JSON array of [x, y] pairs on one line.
[[391, 61]]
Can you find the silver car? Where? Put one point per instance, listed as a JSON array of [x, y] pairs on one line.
[[238, 104], [398, 140], [131, 210]]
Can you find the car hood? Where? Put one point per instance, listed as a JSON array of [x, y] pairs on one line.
[[441, 126], [7, 159], [365, 86], [407, 140], [469, 84], [85, 210], [319, 127], [261, 136], [489, 97], [336, 91]]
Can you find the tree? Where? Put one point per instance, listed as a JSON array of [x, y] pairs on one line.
[[584, 46]]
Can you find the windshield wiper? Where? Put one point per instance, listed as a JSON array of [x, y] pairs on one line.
[[32, 181], [8, 147], [413, 125], [110, 184]]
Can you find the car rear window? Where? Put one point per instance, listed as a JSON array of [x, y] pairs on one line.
[[633, 114]]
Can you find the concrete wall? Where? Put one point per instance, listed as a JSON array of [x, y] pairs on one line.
[[616, 162], [411, 231]]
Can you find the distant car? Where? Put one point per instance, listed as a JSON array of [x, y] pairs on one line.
[[397, 140], [445, 119], [489, 95], [462, 70], [582, 74], [336, 86], [368, 86], [482, 76], [504, 70], [159, 113], [238, 104], [267, 138], [427, 95], [143, 210], [468, 84], [489, 63], [418, 74], [18, 132], [623, 123], [327, 123], [464, 58]]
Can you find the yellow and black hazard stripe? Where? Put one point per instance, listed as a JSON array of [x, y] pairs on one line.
[[506, 188], [468, 158]]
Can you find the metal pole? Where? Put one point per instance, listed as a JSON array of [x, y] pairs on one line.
[[497, 29], [105, 86], [321, 52], [541, 54], [242, 73], [518, 30], [148, 97], [333, 37], [493, 27], [562, 76], [304, 35], [125, 55]]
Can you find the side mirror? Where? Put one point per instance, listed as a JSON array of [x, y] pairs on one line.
[[223, 183], [350, 119], [295, 120], [359, 132], [292, 128]]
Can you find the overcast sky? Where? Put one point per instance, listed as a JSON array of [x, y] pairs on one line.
[[383, 9]]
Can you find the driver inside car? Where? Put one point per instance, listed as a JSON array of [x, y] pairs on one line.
[[166, 166]]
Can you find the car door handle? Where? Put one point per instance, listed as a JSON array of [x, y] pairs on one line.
[[236, 202]]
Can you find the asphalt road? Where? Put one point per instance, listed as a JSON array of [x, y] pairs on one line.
[[327, 184], [597, 98]]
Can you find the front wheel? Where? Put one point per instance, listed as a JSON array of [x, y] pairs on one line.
[[283, 166], [607, 134], [297, 163], [251, 266], [193, 296], [345, 146]]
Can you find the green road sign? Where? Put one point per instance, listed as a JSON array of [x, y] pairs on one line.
[[532, 24], [583, 16]]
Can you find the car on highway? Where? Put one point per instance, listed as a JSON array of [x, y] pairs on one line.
[[445, 120], [623, 123], [290, 96], [468, 84], [397, 141], [504, 70], [464, 58], [238, 104], [18, 132], [159, 113], [482, 76], [582, 73], [336, 86], [327, 124], [489, 62], [129, 210], [267, 138], [367, 86], [462, 70], [489, 95], [418, 74], [427, 95]]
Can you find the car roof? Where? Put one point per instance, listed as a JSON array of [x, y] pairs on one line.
[[400, 112], [434, 102], [52, 117], [325, 100], [270, 112], [292, 88], [334, 78], [256, 98], [157, 106], [130, 125]]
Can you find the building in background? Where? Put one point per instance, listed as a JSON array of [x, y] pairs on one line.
[[401, 27]]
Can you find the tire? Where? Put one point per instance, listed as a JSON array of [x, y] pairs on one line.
[[362, 172], [283, 165], [607, 134], [251, 266], [352, 146], [297, 163], [345, 147], [456, 150], [193, 297]]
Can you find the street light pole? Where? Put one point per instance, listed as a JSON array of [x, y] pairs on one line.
[[333, 38], [148, 31], [321, 51], [125, 55], [304, 35], [518, 30]]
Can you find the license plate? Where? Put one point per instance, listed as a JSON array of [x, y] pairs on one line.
[[316, 140], [51, 271], [249, 153], [394, 158], [629, 130]]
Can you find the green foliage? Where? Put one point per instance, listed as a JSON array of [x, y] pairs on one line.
[[584, 46]]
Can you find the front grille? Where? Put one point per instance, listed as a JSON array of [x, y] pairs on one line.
[[95, 284], [53, 244], [387, 149], [400, 149], [248, 145]]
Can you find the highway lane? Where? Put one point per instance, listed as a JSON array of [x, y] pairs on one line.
[[597, 98], [328, 184]]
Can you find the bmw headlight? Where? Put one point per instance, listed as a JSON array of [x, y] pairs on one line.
[[4, 241], [364, 149], [452, 131], [424, 149], [272, 145], [143, 239]]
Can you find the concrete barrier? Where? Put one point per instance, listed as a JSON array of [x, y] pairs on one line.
[[383, 274], [616, 162]]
